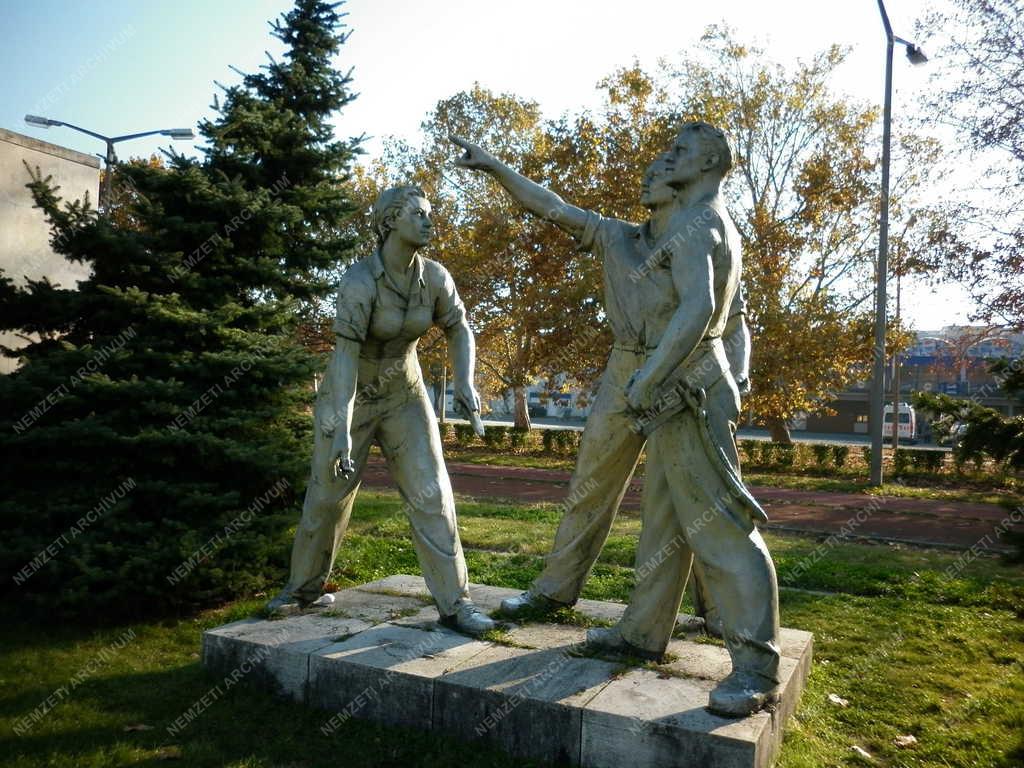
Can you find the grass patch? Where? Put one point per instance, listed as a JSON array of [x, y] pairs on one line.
[[919, 643]]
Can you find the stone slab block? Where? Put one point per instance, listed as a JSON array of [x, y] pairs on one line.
[[387, 673], [378, 653], [275, 653]]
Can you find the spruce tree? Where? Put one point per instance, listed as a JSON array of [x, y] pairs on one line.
[[155, 438]]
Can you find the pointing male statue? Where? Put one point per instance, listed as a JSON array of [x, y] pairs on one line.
[[611, 443], [669, 329]]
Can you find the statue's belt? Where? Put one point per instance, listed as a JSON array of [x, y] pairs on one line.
[[687, 390]]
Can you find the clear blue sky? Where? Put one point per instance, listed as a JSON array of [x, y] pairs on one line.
[[116, 66]]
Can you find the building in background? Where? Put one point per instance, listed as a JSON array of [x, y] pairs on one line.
[[25, 250], [954, 360]]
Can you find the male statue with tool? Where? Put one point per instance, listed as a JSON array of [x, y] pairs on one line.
[[611, 442], [686, 399]]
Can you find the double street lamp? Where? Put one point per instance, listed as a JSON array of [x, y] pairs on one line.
[[178, 134], [876, 414]]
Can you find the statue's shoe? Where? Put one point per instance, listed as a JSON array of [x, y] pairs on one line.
[[610, 639], [690, 624], [743, 693], [285, 604], [469, 620], [529, 603]]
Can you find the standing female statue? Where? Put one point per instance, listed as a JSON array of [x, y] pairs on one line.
[[373, 390]]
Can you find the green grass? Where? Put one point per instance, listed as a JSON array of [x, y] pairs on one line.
[[919, 642]]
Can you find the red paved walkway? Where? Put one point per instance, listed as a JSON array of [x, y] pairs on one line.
[[919, 521]]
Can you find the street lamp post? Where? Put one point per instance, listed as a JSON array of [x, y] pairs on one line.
[[898, 269], [178, 134], [876, 415]]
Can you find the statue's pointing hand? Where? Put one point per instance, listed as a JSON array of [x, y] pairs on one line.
[[474, 157]]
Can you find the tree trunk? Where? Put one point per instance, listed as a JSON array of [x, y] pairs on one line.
[[779, 430], [522, 411]]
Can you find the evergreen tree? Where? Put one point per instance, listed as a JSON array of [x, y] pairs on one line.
[[155, 436]]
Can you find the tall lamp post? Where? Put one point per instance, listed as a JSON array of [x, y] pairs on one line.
[[898, 269], [876, 414], [179, 134]]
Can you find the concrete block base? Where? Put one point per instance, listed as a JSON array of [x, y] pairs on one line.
[[378, 653]]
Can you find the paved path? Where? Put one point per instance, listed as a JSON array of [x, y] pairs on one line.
[[953, 524]]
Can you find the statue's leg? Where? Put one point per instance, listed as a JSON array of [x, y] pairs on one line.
[[326, 511], [663, 561], [411, 444], [607, 456], [731, 554]]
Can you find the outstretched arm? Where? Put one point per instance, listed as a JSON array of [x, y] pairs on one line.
[[532, 196]]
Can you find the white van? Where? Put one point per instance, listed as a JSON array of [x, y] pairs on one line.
[[907, 422]]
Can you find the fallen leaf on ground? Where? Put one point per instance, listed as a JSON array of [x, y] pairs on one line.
[[905, 741], [861, 752], [839, 701]]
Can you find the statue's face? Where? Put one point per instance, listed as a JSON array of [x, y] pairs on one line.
[[413, 225], [687, 160], [655, 189]]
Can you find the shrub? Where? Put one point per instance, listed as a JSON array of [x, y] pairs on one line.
[[786, 454], [446, 432], [865, 454], [519, 437], [839, 455], [464, 434], [549, 440], [495, 437], [749, 449], [822, 455], [803, 454], [567, 440], [928, 461], [767, 453], [901, 461]]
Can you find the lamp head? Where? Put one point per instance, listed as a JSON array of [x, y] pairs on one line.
[[179, 134], [915, 55], [40, 122]]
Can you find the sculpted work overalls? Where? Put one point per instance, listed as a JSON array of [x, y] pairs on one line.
[[393, 409]]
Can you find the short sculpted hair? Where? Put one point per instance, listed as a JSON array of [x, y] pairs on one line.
[[713, 141], [388, 207]]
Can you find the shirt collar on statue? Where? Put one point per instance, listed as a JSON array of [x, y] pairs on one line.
[[377, 268]]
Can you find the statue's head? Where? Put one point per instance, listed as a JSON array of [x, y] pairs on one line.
[[655, 189], [699, 150], [402, 212]]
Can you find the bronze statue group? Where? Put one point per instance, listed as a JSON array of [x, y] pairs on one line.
[[672, 383]]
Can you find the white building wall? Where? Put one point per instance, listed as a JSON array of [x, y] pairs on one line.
[[25, 250]]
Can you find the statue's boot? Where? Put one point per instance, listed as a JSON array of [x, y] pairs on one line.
[[285, 604], [529, 603], [469, 620], [609, 639], [743, 693]]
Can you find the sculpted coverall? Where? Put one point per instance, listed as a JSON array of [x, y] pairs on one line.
[[610, 447], [688, 504], [391, 407]]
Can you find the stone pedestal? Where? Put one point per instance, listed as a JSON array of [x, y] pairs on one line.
[[378, 653]]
